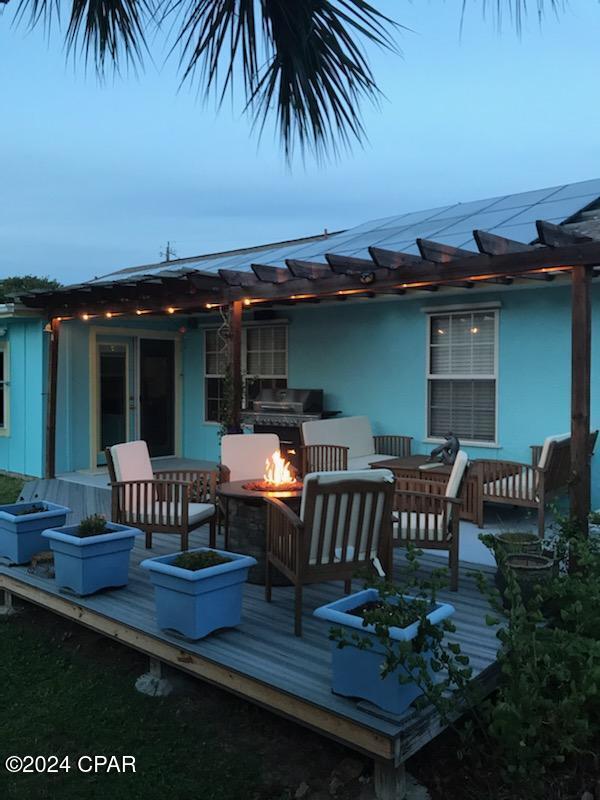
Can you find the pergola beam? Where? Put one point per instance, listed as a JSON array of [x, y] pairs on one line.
[[348, 265], [269, 274], [311, 270], [558, 236]]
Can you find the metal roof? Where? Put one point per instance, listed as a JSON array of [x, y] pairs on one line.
[[512, 216]]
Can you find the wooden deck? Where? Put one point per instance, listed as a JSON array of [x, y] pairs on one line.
[[261, 660]]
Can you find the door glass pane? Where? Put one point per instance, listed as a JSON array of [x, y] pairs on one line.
[[157, 395], [113, 394]]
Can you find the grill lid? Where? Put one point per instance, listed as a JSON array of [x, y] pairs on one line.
[[286, 401]]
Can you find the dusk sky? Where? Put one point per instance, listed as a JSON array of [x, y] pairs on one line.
[[98, 177]]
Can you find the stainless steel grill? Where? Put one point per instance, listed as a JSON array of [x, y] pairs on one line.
[[285, 407]]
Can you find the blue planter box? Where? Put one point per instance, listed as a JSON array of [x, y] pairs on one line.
[[86, 564], [21, 536], [196, 603], [356, 672]]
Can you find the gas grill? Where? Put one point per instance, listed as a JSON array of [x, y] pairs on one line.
[[282, 411], [285, 407]]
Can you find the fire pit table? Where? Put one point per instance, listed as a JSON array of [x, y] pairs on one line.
[[247, 513]]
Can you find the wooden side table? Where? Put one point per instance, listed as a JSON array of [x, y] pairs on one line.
[[417, 466]]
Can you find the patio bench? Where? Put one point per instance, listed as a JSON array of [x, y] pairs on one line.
[[347, 443], [516, 484]]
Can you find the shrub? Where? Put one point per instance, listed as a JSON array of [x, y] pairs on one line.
[[92, 526], [200, 560]]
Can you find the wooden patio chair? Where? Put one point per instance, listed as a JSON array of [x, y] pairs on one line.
[[323, 458], [243, 458], [427, 514], [516, 484], [163, 501], [344, 524]]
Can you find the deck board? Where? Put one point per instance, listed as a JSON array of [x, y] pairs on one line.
[[263, 648]]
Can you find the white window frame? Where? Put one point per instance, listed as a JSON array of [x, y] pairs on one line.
[[244, 360], [449, 311], [5, 381]]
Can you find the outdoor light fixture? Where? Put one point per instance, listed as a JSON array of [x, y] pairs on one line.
[[367, 278]]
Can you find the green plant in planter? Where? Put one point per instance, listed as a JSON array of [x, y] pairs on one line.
[[93, 525], [431, 660], [34, 508], [202, 560]]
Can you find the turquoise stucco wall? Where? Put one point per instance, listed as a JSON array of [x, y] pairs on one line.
[[22, 450], [369, 357]]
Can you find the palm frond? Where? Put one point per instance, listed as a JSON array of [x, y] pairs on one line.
[[112, 32], [301, 60], [516, 10]]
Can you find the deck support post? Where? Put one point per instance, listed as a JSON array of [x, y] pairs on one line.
[[581, 346], [52, 392], [235, 322], [154, 683], [7, 608], [389, 781]]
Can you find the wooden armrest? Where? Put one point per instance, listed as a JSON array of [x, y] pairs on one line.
[[152, 482], [285, 511], [428, 495]]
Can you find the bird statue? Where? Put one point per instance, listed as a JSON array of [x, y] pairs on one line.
[[446, 452]]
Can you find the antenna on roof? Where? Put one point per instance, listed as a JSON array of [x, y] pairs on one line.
[[168, 254]]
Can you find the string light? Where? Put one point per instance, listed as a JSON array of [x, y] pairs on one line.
[[247, 301], [108, 315], [85, 317], [170, 310]]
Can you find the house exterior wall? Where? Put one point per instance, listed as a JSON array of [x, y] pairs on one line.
[[22, 445], [370, 358]]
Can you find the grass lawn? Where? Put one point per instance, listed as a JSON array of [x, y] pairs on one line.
[[10, 488], [55, 701]]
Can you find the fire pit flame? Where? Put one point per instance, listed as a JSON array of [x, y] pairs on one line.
[[278, 471], [279, 476]]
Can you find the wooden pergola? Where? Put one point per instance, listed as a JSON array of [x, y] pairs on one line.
[[559, 251]]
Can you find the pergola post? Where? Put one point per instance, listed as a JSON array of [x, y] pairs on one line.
[[52, 393], [236, 309], [581, 344]]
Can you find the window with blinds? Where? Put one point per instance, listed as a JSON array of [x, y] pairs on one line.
[[264, 365], [462, 375]]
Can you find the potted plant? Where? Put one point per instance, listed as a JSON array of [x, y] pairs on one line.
[[382, 643], [594, 519], [21, 526], [91, 556], [198, 591], [518, 542]]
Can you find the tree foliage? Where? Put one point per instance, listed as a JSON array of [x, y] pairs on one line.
[[11, 287]]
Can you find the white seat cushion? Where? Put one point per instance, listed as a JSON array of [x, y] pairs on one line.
[[348, 507], [419, 527], [197, 513], [352, 432], [521, 486], [132, 461], [559, 437], [245, 454]]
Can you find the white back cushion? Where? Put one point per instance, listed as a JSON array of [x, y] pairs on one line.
[[352, 432], [559, 437], [245, 454], [132, 461], [456, 476], [349, 506]]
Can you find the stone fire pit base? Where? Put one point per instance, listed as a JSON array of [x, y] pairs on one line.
[[248, 534]]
